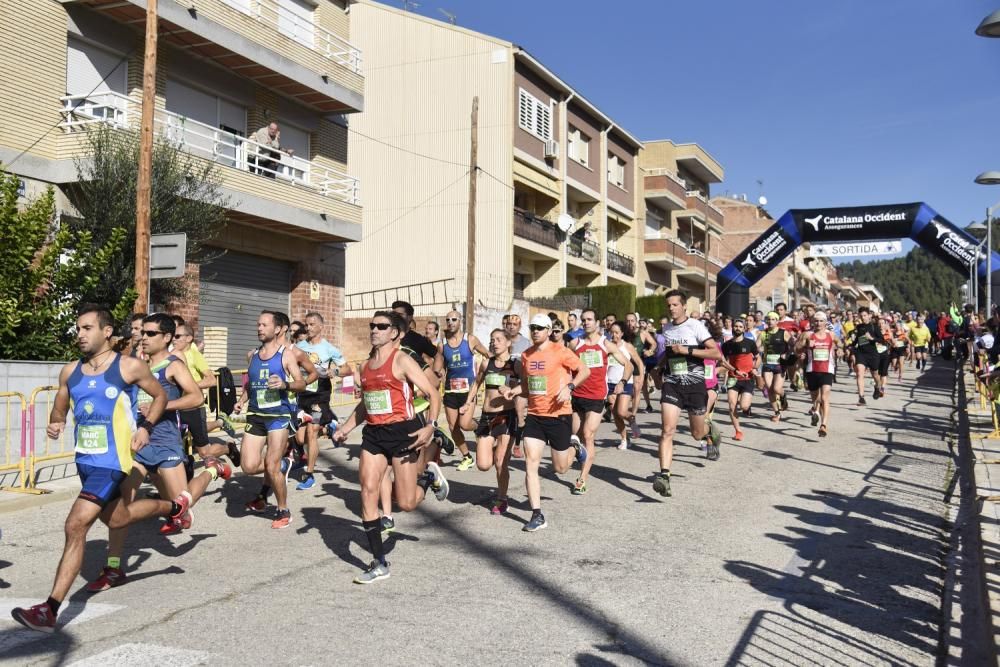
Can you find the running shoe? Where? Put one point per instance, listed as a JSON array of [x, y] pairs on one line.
[[227, 425], [649, 409], [738, 436], [438, 483], [714, 435], [257, 505], [183, 501], [466, 463], [40, 617], [234, 454], [815, 418], [304, 418], [223, 469], [703, 445], [581, 451], [286, 467], [765, 391], [784, 402], [375, 572], [748, 412], [307, 483], [634, 425], [446, 442], [109, 578], [776, 417], [388, 525], [537, 522], [862, 401], [662, 485], [579, 487], [499, 506], [282, 520], [516, 451], [822, 431], [623, 445], [713, 452]]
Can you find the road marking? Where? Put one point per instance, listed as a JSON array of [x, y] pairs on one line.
[[147, 654], [73, 613]]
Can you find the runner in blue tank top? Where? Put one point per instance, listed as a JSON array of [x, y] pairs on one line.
[[459, 363], [273, 372]]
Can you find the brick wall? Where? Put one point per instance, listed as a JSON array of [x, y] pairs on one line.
[[188, 308]]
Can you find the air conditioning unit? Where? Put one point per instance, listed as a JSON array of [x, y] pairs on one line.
[[551, 149]]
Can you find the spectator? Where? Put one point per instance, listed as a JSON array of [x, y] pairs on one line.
[[268, 158]]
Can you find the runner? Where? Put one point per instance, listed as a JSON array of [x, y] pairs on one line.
[[457, 349], [392, 435], [498, 421], [820, 347], [315, 400], [900, 350], [920, 339], [624, 399], [551, 373], [864, 337], [775, 344], [652, 359], [740, 359], [518, 344], [688, 345], [273, 373], [98, 387]]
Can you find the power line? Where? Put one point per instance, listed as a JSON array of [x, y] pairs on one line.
[[415, 207]]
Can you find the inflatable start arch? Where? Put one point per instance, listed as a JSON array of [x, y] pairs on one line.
[[955, 247]]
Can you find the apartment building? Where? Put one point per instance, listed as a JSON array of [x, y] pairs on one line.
[[225, 69], [556, 190], [683, 227]]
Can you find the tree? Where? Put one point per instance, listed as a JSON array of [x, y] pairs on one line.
[[917, 280], [185, 198], [47, 270]]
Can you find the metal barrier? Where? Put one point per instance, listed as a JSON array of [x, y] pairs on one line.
[[48, 453], [22, 465]]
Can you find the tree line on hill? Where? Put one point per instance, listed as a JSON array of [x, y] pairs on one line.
[[915, 281]]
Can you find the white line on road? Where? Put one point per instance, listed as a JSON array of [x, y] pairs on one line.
[[146, 654], [72, 613]]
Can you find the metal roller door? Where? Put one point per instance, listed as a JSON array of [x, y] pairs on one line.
[[234, 289]]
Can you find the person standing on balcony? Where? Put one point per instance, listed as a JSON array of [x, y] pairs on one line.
[[268, 140]]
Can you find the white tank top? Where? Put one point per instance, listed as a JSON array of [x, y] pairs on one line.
[[616, 370]]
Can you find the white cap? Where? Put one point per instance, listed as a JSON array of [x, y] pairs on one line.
[[541, 320]]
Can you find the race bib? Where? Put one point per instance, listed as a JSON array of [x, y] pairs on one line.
[[538, 384], [92, 439], [880, 348], [378, 402], [709, 372], [495, 379], [458, 384], [730, 382], [772, 359], [313, 386], [268, 398], [678, 366], [143, 397], [900, 343], [821, 354], [592, 359]]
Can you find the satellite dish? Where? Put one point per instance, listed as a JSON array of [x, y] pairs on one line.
[[762, 200], [565, 222]]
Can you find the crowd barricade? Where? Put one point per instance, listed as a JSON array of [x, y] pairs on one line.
[[47, 450], [16, 457]]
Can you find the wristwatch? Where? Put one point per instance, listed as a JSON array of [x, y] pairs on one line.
[[571, 386]]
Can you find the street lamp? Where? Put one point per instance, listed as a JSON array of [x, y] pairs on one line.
[[990, 178], [973, 269], [990, 26]]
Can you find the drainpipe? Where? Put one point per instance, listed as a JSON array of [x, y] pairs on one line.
[[564, 204]]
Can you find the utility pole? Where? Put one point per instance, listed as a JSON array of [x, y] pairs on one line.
[[144, 183], [707, 241], [470, 279]]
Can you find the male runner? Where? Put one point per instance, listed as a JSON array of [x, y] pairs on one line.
[[865, 336], [589, 396], [688, 345], [457, 350], [820, 347], [393, 434], [98, 388], [550, 374], [740, 354], [273, 372], [920, 338], [315, 400]]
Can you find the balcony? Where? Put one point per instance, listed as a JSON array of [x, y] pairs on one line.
[[620, 263], [586, 250], [539, 230], [263, 40], [669, 253], [252, 170], [665, 189]]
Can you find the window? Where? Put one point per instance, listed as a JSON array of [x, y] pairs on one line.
[[89, 68], [579, 146], [534, 116], [295, 19], [616, 170]]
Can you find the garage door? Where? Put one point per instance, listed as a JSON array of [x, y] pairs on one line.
[[234, 289]]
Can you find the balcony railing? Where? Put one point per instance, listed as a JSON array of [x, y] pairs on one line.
[[301, 29], [621, 263], [587, 250], [539, 230], [219, 146], [663, 171]]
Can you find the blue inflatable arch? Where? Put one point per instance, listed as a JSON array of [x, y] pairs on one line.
[[918, 221]]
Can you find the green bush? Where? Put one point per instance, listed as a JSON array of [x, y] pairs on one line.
[[651, 307], [617, 299]]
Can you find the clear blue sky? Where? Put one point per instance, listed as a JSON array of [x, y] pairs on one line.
[[829, 103]]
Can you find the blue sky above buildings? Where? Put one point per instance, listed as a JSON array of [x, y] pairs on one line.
[[828, 103]]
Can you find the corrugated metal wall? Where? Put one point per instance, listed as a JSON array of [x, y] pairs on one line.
[[421, 77]]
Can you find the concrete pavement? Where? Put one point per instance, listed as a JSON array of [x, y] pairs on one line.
[[789, 550]]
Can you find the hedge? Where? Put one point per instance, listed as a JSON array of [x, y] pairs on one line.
[[617, 299], [651, 307]]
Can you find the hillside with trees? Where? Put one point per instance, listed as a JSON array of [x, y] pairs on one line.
[[917, 280]]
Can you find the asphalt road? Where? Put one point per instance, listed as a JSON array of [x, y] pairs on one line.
[[789, 550]]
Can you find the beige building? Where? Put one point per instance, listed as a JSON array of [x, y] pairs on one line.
[[226, 68], [683, 227], [556, 187]]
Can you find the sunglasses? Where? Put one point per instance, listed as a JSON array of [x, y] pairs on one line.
[[451, 319], [535, 327], [149, 334], [381, 326], [557, 331]]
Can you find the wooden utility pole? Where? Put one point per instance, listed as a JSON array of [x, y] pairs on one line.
[[144, 183], [470, 280]]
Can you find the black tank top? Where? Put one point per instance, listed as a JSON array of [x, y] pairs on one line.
[[500, 376]]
